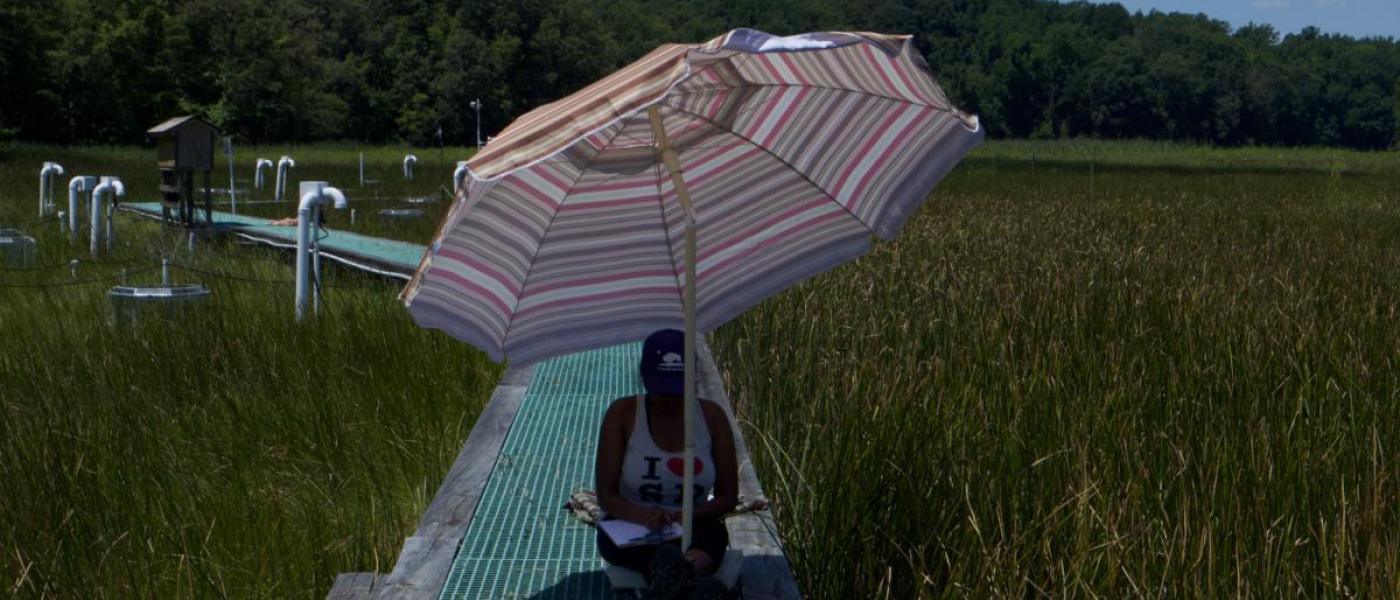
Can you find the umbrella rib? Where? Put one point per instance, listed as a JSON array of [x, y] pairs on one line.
[[530, 270], [780, 159]]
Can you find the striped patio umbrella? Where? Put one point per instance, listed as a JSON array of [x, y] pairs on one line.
[[685, 188]]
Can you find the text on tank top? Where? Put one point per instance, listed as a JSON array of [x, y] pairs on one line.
[[654, 477]]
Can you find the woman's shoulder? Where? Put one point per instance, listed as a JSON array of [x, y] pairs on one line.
[[621, 408], [624, 401]]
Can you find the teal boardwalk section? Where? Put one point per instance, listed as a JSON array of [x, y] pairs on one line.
[[521, 543], [399, 256]]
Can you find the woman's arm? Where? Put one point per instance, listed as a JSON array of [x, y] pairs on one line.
[[612, 447], [726, 464]]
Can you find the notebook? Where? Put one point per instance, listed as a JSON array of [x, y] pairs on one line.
[[626, 534]]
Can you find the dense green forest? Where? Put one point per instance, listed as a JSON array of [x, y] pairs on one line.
[[403, 70]]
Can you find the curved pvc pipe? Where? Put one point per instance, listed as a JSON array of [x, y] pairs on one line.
[[459, 176], [309, 213], [408, 162], [258, 178], [98, 211], [76, 186], [46, 174], [283, 164], [337, 197], [119, 195]]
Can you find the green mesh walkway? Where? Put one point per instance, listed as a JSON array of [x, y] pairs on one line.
[[400, 256], [520, 543]]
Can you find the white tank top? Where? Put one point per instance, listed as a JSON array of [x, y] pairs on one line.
[[652, 476]]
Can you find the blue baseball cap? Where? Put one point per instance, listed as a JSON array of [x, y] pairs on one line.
[[663, 363]]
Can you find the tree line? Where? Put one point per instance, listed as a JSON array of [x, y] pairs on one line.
[[380, 71]]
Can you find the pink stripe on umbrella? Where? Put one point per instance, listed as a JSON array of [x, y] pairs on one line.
[[735, 239], [605, 296], [549, 287], [889, 150], [764, 245], [864, 150], [480, 267], [481, 291], [796, 72], [535, 193], [878, 60], [586, 206]]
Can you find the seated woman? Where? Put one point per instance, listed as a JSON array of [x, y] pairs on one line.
[[640, 468]]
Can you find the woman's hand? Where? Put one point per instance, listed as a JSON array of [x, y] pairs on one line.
[[658, 518]]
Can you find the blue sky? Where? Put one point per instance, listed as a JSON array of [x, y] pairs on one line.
[[1352, 17]]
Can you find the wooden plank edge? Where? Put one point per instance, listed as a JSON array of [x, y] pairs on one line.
[[354, 586], [426, 559]]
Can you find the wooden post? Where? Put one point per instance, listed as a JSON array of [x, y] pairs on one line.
[[208, 201]]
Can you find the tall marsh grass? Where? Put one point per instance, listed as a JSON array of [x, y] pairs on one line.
[[1184, 385], [1181, 384], [232, 453]]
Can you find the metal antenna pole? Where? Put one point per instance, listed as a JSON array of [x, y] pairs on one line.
[[476, 105], [232, 194], [442, 162]]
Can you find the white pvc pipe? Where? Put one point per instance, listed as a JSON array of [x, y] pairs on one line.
[[46, 187], [283, 164], [408, 162], [258, 178], [119, 190], [338, 200], [459, 176], [314, 195], [98, 211], [76, 187]]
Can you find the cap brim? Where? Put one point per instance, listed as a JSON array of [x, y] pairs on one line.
[[665, 384]]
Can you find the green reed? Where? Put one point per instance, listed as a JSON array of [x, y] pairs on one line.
[[1184, 385], [230, 453]]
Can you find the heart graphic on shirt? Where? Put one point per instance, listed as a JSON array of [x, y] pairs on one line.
[[677, 466]]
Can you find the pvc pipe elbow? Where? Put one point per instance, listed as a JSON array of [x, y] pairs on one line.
[[308, 200], [78, 184], [337, 197], [286, 160], [51, 168], [459, 176], [119, 188]]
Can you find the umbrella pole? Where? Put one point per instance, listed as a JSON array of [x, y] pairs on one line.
[[668, 155], [688, 501]]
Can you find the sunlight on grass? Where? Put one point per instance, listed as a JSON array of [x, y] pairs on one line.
[[1179, 379]]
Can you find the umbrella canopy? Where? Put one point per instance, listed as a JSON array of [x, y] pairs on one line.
[[569, 234]]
